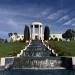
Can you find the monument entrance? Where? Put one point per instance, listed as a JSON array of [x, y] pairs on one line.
[[36, 37], [36, 31]]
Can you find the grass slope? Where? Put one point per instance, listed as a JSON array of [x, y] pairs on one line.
[[63, 47], [11, 49]]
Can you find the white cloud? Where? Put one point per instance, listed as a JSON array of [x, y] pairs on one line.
[[57, 14], [7, 12], [66, 17], [54, 15], [44, 12], [73, 24], [70, 22], [28, 12], [12, 23], [3, 34]]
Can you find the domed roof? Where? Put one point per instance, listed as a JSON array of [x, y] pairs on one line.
[[36, 23]]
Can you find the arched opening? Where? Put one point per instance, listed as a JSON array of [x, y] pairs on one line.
[[36, 31]]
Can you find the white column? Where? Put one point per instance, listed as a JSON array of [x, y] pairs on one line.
[[33, 32], [2, 63], [30, 33], [39, 32], [33, 29]]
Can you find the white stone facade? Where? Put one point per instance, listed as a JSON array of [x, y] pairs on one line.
[[33, 35], [14, 38], [58, 36], [17, 37]]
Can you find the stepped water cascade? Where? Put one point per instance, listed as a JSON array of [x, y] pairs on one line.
[[37, 56], [37, 60]]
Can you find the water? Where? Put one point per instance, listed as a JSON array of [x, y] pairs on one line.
[[37, 49], [36, 62], [37, 56], [37, 72]]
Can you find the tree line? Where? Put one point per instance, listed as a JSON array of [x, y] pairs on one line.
[[69, 34]]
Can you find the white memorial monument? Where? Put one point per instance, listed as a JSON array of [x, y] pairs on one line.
[[36, 35]]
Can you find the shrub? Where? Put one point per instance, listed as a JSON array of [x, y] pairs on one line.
[[56, 39]]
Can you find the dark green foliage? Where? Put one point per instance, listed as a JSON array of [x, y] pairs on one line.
[[60, 39], [6, 41], [56, 39], [1, 40], [10, 34], [15, 33], [46, 33], [26, 33], [69, 34]]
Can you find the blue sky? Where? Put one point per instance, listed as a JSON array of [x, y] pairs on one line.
[[14, 14]]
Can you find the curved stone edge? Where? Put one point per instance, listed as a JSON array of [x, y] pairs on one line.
[[50, 48], [18, 55]]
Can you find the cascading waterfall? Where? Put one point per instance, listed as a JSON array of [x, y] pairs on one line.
[[37, 56], [37, 60]]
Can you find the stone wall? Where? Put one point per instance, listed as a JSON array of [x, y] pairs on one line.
[[67, 62], [73, 62]]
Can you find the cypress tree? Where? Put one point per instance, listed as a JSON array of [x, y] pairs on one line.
[[26, 33], [46, 33]]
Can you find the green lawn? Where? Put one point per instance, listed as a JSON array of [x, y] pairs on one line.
[[63, 47], [11, 49]]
